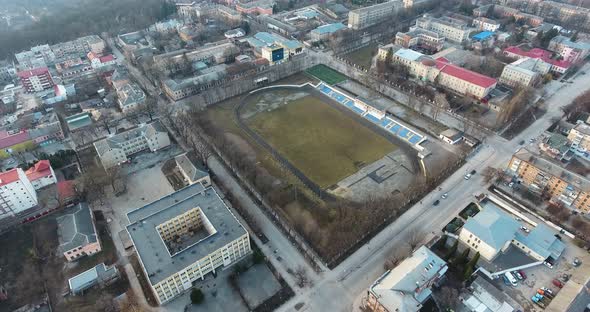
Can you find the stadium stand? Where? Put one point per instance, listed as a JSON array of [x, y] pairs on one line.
[[386, 123]]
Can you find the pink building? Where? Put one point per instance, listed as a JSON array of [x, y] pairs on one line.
[[77, 233]]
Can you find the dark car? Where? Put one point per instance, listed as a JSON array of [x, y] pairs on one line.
[[436, 202], [473, 172]]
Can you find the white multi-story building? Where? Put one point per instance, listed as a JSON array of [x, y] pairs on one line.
[[41, 175], [524, 72], [372, 15], [184, 236], [115, 149], [130, 97], [451, 28], [17, 194], [484, 23]]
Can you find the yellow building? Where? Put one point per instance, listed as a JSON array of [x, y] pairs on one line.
[[184, 236], [543, 176]]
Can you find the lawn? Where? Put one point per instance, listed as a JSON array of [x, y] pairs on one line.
[[326, 74], [321, 141], [363, 57]]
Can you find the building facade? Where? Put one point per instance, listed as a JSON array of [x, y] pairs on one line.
[[372, 15], [526, 72], [544, 177], [573, 52], [420, 38], [115, 149], [451, 28], [579, 139], [77, 233], [258, 7], [17, 194], [184, 236], [36, 80], [484, 23], [558, 67]]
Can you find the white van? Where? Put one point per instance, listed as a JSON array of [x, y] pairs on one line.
[[511, 278]]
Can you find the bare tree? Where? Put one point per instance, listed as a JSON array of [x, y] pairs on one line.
[[415, 237], [396, 256], [440, 103], [447, 297]]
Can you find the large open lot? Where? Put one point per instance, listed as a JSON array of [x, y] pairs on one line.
[[326, 74], [325, 144]]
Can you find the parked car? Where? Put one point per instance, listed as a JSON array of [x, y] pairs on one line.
[[524, 229], [548, 290], [511, 184], [577, 262], [444, 196], [517, 275], [521, 142], [522, 274], [557, 283], [436, 202], [506, 281], [467, 176], [548, 264], [472, 172]]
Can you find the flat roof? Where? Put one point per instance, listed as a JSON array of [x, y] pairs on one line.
[[483, 35], [408, 54], [329, 28], [152, 251], [492, 225]]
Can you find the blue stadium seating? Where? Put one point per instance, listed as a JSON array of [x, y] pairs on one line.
[[397, 129], [403, 133], [358, 110], [415, 139], [372, 118]]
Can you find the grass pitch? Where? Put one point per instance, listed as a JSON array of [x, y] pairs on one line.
[[326, 74], [321, 141]]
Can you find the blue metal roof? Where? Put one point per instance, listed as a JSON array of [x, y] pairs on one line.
[[492, 225], [483, 35], [330, 28]]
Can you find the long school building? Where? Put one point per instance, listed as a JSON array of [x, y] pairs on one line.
[[184, 236]]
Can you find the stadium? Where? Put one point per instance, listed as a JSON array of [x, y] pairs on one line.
[[332, 141]]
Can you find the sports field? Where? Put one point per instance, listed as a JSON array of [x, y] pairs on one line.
[[326, 74], [321, 141]]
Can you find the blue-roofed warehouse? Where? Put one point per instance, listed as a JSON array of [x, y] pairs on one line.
[[324, 31], [291, 46]]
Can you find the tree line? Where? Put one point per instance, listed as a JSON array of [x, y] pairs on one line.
[[86, 18]]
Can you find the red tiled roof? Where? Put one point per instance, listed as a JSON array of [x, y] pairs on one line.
[[540, 54], [8, 177], [8, 140], [41, 169], [464, 74], [106, 58], [33, 72]]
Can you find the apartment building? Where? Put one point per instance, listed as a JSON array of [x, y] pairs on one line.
[[530, 19], [407, 286], [419, 37], [184, 236], [80, 47], [543, 176], [115, 149], [177, 89], [484, 23], [36, 80], [17, 194], [77, 233], [564, 13], [372, 15], [492, 231], [7, 70], [526, 72], [579, 139], [445, 74], [452, 29], [557, 66], [38, 56], [573, 52]]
